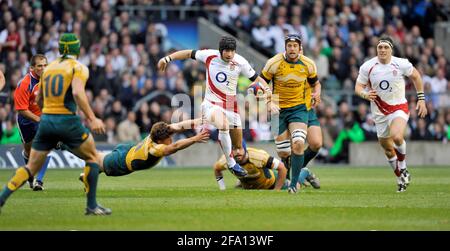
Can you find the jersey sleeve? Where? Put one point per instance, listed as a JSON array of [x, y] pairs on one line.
[[22, 97], [406, 67], [247, 69], [312, 70], [202, 55], [363, 75], [157, 150], [312, 73], [266, 71], [81, 71]]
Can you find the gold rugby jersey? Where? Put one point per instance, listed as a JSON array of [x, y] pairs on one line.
[[290, 80], [56, 85]]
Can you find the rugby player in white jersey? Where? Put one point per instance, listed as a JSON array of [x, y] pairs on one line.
[[381, 81], [219, 106]]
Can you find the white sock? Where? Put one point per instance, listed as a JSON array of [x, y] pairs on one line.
[[225, 144], [393, 163], [401, 154]]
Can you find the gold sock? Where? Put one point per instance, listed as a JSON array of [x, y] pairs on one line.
[[20, 177]]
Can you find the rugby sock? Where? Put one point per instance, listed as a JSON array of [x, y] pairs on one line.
[[393, 163], [296, 165], [225, 144], [309, 155], [41, 173], [303, 174], [90, 179], [287, 163], [20, 177], [400, 151]]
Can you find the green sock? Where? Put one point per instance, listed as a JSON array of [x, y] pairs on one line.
[[287, 163], [91, 171], [6, 192], [309, 155], [296, 165]]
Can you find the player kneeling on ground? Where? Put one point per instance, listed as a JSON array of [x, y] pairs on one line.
[[264, 171]]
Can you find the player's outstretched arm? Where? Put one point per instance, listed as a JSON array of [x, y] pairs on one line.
[[184, 143], [218, 168], [178, 55], [185, 125], [282, 172], [418, 84]]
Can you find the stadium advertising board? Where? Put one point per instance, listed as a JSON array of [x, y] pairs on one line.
[[11, 157]]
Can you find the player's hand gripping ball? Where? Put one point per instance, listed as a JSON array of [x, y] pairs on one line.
[[256, 89]]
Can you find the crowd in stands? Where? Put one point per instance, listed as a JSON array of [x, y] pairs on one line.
[[122, 49]]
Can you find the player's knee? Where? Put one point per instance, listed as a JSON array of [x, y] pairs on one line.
[[284, 154], [219, 120], [298, 147], [389, 152], [298, 140], [315, 145], [398, 138], [283, 148]]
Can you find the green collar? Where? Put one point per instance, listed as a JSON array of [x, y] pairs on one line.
[[298, 61]]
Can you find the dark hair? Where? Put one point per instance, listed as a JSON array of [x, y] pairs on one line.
[[227, 43], [34, 58], [386, 39], [293, 38], [160, 131]]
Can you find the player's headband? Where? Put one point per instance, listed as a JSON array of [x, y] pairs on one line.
[[387, 42]]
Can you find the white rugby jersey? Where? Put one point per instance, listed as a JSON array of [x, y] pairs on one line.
[[222, 77], [388, 80]]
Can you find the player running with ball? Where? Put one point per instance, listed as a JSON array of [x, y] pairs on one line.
[[219, 106]]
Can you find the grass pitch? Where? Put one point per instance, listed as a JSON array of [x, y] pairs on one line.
[[189, 199]]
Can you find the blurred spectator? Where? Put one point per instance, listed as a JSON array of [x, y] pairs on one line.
[[228, 12], [117, 111], [438, 88], [11, 134], [321, 62], [121, 49], [143, 119], [128, 130], [421, 132], [351, 132], [369, 128]]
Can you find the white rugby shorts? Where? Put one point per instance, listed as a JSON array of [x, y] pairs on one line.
[[209, 109], [382, 122]]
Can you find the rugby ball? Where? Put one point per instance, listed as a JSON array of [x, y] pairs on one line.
[[256, 89]]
